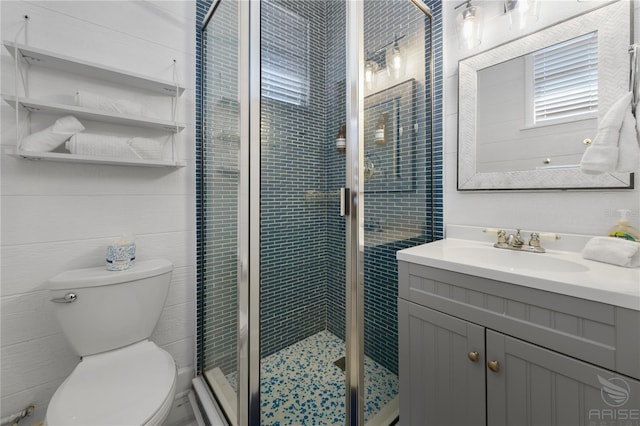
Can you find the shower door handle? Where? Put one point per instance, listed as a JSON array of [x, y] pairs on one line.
[[345, 201]]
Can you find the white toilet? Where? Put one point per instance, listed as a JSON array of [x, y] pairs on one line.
[[107, 316]]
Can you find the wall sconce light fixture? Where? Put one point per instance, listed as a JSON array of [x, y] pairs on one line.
[[469, 22], [521, 12], [341, 139]]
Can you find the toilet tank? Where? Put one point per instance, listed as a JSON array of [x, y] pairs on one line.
[[111, 309]]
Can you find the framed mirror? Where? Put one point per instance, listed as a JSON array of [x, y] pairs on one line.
[[516, 133]]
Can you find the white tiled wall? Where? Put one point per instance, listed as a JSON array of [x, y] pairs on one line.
[[588, 212], [59, 216]]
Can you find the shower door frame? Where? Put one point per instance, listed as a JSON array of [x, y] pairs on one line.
[[354, 229], [248, 323]]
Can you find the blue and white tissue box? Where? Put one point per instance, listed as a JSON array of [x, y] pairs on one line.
[[121, 257]]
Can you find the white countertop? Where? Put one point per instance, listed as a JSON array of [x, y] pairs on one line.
[[600, 282]]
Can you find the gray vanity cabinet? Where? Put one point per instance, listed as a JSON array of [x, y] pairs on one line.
[[440, 384], [536, 386], [542, 358]]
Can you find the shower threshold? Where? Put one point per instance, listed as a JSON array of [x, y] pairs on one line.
[[302, 384]]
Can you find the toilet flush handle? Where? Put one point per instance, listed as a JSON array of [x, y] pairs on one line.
[[68, 298]]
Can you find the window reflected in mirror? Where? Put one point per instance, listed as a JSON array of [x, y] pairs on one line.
[[535, 111]]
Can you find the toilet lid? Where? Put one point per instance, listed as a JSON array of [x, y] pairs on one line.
[[122, 387]]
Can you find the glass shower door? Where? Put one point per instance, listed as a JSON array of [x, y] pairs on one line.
[[220, 213], [396, 144]]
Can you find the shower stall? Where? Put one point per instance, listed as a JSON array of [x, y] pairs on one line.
[[318, 159]]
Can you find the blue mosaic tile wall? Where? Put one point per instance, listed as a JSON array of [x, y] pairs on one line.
[[335, 165], [293, 243]]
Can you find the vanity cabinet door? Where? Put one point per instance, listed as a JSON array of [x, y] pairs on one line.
[[442, 368], [536, 386]]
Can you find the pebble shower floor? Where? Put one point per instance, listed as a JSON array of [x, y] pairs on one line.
[[301, 385]]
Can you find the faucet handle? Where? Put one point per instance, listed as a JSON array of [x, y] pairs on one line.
[[534, 241]]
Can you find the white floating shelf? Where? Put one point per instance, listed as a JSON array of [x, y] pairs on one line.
[[72, 158], [90, 114], [44, 58]]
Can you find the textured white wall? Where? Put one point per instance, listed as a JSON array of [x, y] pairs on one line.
[[59, 216], [587, 212]]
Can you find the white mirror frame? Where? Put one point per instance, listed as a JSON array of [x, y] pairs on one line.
[[613, 24]]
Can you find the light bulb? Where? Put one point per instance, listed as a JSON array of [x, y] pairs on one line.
[[368, 74], [522, 12], [396, 60], [469, 26]]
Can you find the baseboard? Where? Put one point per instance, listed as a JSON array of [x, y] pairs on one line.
[[181, 413]]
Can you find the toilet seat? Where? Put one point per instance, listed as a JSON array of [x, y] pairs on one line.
[[134, 385]]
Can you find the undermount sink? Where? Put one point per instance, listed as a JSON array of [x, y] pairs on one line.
[[515, 260]]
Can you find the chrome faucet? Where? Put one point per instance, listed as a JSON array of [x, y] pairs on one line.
[[515, 242]]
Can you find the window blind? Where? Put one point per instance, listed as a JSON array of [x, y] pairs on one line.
[[285, 57], [565, 79]]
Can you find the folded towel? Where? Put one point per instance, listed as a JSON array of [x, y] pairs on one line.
[[616, 251], [114, 146], [53, 136], [615, 147], [106, 104]]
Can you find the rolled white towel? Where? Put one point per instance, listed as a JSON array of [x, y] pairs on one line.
[[616, 251], [53, 136], [149, 149], [106, 104], [115, 146], [101, 146]]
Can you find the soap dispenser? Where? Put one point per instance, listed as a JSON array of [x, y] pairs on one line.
[[623, 228]]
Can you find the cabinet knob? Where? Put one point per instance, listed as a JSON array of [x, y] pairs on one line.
[[494, 366], [474, 356]]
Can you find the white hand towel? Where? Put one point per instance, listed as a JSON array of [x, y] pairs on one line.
[[616, 251], [628, 146], [614, 135], [106, 104], [53, 136]]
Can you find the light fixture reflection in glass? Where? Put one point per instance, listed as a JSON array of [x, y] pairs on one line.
[[469, 23], [368, 74], [522, 12], [396, 58], [380, 135], [341, 139]]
